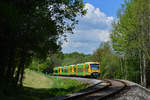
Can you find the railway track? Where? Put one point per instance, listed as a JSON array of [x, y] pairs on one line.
[[113, 87]]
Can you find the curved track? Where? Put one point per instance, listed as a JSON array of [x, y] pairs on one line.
[[113, 87]]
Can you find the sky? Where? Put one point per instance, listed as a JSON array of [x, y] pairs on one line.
[[93, 28]]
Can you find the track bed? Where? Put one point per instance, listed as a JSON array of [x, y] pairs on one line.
[[112, 87]]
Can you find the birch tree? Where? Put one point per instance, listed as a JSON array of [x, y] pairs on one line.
[[130, 36]]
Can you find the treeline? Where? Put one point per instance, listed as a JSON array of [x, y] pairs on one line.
[[30, 29], [131, 39], [113, 65], [58, 59], [127, 55]]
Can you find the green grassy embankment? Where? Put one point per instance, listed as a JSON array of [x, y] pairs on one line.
[[38, 87], [36, 80]]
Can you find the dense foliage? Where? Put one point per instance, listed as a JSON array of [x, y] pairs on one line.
[[127, 55], [58, 59], [31, 28], [131, 38], [109, 61]]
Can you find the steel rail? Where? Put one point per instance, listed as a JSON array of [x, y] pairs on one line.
[[101, 93]]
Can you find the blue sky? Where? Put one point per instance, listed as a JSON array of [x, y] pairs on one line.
[[109, 7], [95, 27]]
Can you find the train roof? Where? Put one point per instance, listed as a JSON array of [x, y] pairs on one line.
[[91, 62], [76, 64]]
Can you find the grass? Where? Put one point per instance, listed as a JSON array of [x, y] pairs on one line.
[[66, 86], [37, 86], [36, 80]]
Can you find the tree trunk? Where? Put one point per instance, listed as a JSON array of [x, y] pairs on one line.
[[22, 67], [144, 71], [11, 62], [21, 64], [18, 74], [22, 73], [126, 69], [141, 68], [121, 68], [13, 70]]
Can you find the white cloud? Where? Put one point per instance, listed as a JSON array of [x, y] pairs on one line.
[[92, 29]]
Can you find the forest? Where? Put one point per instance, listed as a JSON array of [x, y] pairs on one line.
[[31, 29], [30, 32]]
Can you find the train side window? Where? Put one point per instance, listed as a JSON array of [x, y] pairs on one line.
[[66, 70], [74, 68], [62, 70], [80, 69]]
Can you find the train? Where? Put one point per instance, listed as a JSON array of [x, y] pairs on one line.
[[87, 69]]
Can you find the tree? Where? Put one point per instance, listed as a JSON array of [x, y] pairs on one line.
[[31, 28], [109, 61], [130, 36]]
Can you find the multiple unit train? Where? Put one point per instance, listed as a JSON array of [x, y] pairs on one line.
[[88, 69]]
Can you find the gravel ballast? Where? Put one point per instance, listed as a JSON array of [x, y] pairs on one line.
[[135, 92]]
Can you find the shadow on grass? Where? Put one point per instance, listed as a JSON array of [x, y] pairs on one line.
[[26, 93]]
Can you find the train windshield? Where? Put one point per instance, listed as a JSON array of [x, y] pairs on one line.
[[94, 66]]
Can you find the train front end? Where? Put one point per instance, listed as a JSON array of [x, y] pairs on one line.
[[95, 69]]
